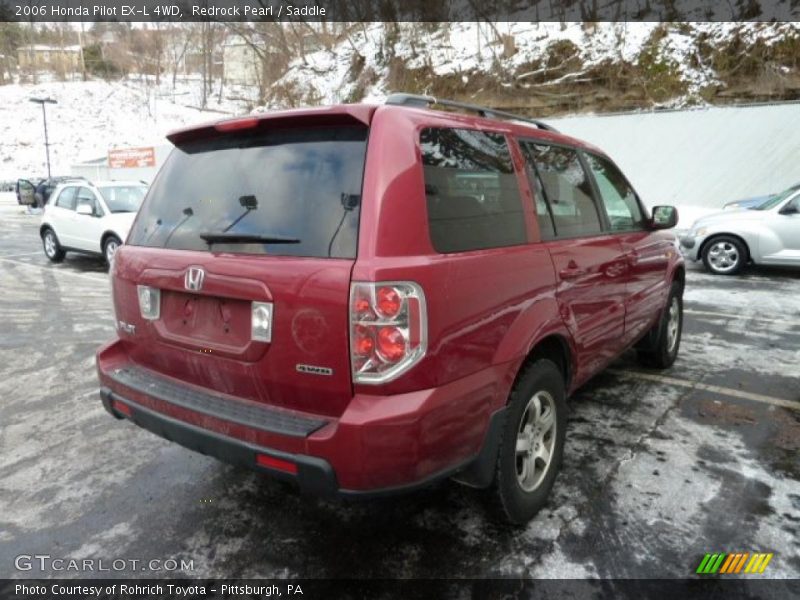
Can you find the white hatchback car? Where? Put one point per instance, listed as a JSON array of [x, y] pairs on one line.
[[91, 218], [767, 234]]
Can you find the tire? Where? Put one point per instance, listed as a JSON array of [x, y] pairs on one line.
[[110, 247], [660, 346], [725, 255], [52, 248], [518, 492]]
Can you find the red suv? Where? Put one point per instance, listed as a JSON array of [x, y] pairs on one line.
[[367, 299]]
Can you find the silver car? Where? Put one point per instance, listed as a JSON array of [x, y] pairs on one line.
[[768, 234]]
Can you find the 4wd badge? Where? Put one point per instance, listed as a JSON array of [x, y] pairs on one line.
[[313, 370]]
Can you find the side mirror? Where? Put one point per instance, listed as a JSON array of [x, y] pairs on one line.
[[85, 209], [790, 209], [664, 217]]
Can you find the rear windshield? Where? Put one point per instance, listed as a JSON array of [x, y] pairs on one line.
[[299, 190], [123, 198]]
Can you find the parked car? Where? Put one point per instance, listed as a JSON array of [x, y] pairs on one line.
[[36, 192], [750, 202], [91, 218], [326, 295], [747, 202], [768, 234]]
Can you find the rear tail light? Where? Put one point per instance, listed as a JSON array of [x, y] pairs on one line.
[[149, 302], [388, 329], [261, 321]]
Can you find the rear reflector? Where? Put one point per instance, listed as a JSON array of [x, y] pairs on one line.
[[276, 463], [121, 408]]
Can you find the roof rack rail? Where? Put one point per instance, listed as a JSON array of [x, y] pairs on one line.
[[419, 101]]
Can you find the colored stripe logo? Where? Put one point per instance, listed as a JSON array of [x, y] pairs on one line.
[[734, 563]]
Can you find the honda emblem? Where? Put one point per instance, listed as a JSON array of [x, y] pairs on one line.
[[194, 279]]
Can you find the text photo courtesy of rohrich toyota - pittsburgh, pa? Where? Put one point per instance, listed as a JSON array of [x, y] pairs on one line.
[[381, 299]]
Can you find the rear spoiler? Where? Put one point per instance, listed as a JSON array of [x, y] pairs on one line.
[[346, 114]]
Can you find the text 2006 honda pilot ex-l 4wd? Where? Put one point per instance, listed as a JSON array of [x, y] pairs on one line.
[[366, 299]]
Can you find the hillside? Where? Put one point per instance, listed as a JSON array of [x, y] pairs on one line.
[[543, 69], [554, 68], [89, 118]]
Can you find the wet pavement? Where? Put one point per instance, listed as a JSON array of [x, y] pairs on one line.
[[659, 467]]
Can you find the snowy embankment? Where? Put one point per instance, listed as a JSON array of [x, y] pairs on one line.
[[699, 159], [361, 66], [90, 118]]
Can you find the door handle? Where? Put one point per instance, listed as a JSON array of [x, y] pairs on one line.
[[572, 271]]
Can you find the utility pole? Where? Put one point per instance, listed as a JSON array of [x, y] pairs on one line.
[[44, 101]]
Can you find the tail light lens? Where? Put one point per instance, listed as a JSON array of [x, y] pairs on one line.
[[149, 302], [388, 329]]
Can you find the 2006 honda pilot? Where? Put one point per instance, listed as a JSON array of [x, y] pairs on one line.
[[366, 299]]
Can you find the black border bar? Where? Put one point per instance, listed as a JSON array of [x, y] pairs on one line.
[[397, 10], [312, 589]]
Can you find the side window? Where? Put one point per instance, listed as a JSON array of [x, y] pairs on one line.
[[566, 188], [471, 190], [66, 199], [617, 195], [87, 197], [543, 213]]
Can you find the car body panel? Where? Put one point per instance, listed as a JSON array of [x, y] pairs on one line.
[[486, 311]]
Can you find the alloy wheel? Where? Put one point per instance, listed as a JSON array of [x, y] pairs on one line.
[[723, 256], [536, 438]]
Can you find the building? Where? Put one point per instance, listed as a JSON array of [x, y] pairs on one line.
[[61, 59], [100, 168], [241, 63]]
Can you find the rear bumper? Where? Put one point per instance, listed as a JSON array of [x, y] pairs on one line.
[[312, 474], [379, 446]]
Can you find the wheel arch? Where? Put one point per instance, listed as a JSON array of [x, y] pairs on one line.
[[679, 276], [107, 234], [719, 234], [537, 332], [554, 347]]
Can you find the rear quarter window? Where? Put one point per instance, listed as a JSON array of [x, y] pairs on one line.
[[302, 185], [471, 189]]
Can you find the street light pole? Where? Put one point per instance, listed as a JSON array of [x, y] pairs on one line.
[[44, 101]]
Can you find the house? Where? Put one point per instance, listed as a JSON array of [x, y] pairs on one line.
[[241, 63], [253, 61], [62, 59]]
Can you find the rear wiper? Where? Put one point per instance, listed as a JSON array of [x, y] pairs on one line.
[[246, 238]]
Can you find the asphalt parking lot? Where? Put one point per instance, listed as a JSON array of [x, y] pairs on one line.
[[660, 468]]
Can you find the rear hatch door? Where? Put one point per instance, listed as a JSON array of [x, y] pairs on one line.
[[248, 237]]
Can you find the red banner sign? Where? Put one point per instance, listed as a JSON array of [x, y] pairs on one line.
[[130, 158]]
